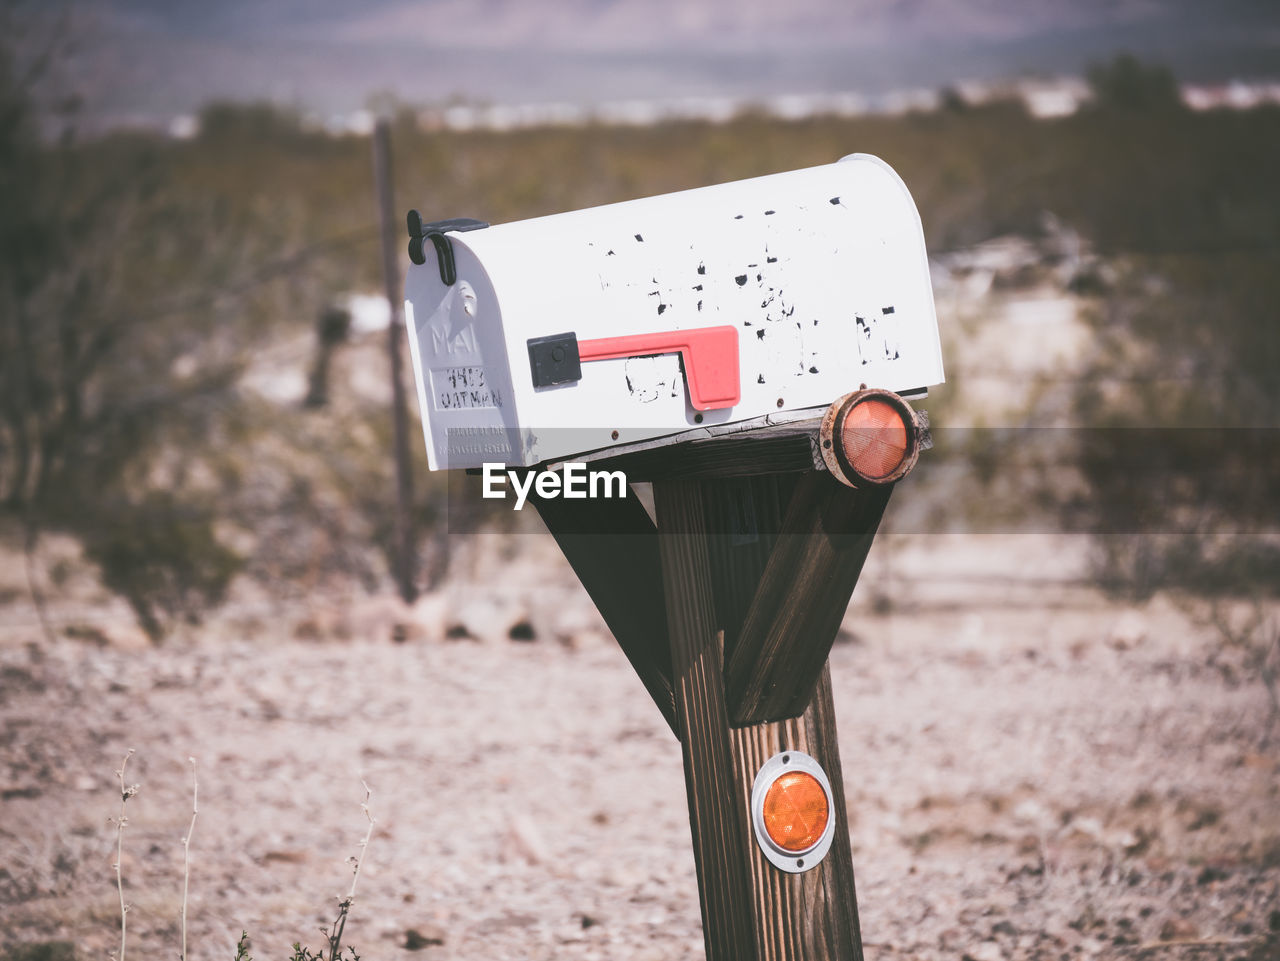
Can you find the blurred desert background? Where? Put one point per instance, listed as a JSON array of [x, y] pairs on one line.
[[1057, 682]]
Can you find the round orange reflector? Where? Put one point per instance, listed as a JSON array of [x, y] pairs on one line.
[[874, 438], [795, 811]]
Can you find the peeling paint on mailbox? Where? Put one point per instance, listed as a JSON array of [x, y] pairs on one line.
[[821, 273]]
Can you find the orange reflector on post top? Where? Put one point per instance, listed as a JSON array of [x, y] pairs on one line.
[[791, 811], [875, 438], [870, 436]]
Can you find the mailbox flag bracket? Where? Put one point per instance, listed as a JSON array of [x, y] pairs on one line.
[[709, 356]]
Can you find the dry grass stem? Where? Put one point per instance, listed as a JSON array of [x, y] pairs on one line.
[[126, 791], [334, 934], [186, 855], [358, 859]]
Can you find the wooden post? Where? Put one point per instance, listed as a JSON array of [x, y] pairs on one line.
[[798, 916], [754, 555], [405, 542], [811, 916], [717, 539]]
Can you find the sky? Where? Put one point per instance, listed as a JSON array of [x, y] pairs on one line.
[[163, 57]]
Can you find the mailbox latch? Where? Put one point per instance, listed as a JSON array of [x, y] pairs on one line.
[[420, 233], [554, 360]]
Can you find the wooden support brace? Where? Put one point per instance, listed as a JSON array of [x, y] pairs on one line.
[[768, 451], [788, 631], [717, 817], [612, 546]]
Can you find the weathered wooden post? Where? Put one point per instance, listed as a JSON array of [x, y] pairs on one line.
[[722, 342], [405, 541], [711, 576]]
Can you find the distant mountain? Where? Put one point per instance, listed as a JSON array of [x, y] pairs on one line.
[[151, 57]]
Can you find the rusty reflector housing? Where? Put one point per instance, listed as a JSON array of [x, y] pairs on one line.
[[870, 436]]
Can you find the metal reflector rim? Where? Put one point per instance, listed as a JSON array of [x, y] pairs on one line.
[[793, 862]]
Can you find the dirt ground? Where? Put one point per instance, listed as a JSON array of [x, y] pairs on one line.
[[1032, 771]]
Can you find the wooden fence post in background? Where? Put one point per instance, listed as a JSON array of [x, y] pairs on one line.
[[405, 550]]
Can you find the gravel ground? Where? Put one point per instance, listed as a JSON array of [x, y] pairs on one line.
[[1032, 771]]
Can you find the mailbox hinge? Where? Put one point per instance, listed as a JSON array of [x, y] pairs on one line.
[[420, 233]]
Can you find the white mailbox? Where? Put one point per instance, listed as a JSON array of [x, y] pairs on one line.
[[701, 311]]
